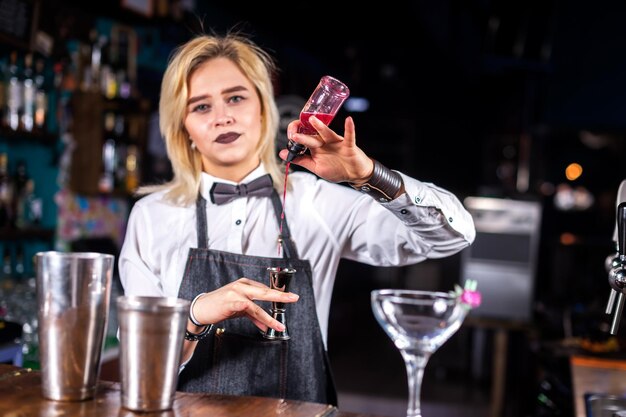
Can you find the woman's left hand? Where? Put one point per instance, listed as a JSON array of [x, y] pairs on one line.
[[332, 157]]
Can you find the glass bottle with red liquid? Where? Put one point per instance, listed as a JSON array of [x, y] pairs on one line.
[[324, 104]]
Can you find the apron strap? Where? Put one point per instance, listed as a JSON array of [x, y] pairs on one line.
[[289, 248], [201, 223]]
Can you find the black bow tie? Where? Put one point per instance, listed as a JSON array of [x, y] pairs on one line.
[[223, 193]]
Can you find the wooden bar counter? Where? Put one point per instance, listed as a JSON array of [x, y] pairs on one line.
[[20, 396], [596, 376]]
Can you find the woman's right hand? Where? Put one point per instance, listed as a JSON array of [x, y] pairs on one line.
[[236, 299], [331, 156]]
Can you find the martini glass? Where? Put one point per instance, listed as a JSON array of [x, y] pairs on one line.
[[418, 322]]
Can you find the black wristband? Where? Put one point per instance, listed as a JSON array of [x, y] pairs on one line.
[[383, 185], [194, 337]]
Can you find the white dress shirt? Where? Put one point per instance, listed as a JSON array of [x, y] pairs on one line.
[[327, 221]]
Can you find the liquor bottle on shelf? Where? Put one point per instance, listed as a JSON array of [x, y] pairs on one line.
[[7, 284], [133, 157], [85, 56], [23, 194], [21, 176], [107, 177], [3, 91], [18, 267], [120, 152], [119, 54], [6, 192], [30, 207], [41, 96], [108, 79], [29, 89], [15, 93], [7, 264], [133, 160], [97, 49]]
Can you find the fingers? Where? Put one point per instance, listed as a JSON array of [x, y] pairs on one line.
[[349, 132], [226, 302], [254, 290], [252, 282], [325, 134], [259, 317], [292, 128]]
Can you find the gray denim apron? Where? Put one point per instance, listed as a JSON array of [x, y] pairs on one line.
[[235, 358]]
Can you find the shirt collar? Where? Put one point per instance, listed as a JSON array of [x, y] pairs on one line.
[[207, 180]]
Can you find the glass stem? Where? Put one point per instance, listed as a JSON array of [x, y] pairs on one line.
[[415, 364]]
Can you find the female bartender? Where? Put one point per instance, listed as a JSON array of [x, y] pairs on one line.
[[210, 233]]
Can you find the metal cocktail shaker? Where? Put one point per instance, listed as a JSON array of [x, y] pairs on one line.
[[73, 292], [152, 331]]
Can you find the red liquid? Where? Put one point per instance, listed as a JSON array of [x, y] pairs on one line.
[[305, 126], [282, 214], [307, 129]]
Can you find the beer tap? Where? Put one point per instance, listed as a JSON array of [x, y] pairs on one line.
[[613, 261], [617, 275]]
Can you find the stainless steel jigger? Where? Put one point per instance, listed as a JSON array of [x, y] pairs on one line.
[[279, 280]]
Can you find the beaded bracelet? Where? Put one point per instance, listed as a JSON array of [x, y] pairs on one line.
[[194, 337], [383, 185]]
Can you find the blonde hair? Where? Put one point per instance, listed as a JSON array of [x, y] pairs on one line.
[[256, 64]]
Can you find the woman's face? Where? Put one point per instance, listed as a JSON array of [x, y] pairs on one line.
[[224, 119]]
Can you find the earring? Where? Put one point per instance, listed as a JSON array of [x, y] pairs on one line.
[[193, 144]]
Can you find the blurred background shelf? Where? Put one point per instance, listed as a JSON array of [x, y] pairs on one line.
[[31, 233]]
